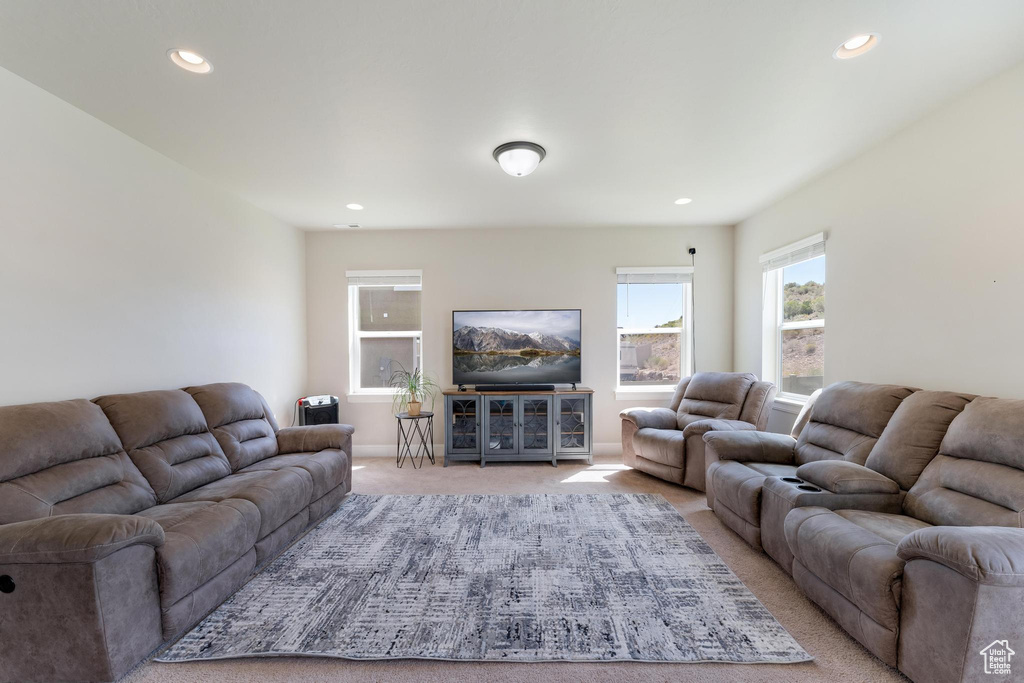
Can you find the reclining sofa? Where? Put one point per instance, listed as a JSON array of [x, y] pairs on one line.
[[126, 519], [898, 512], [667, 442]]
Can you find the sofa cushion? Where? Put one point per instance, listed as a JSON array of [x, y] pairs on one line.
[[665, 446], [716, 394], [891, 527], [913, 435], [757, 406], [846, 421], [240, 420], [842, 477], [854, 561], [327, 468], [65, 458], [166, 437], [978, 476], [279, 495], [738, 486], [201, 539]]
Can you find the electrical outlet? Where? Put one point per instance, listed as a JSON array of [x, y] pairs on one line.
[[385, 314]]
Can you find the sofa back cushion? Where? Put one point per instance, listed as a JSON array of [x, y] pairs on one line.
[[757, 406], [65, 458], [914, 434], [846, 421], [241, 421], [166, 437], [978, 476], [714, 394]]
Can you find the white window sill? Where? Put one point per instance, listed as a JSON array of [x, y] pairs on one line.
[[368, 397], [789, 404], [646, 394]]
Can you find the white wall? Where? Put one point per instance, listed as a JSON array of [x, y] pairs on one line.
[[501, 269], [925, 282], [122, 271]]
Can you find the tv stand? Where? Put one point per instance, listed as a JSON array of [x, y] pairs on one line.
[[517, 424]]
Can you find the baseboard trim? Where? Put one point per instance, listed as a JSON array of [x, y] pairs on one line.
[[391, 451]]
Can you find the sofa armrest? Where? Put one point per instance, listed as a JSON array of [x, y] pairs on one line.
[[989, 555], [702, 427], [74, 538], [655, 418], [313, 438], [752, 446], [840, 476]]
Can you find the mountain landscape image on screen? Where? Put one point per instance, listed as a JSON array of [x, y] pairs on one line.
[[506, 347]]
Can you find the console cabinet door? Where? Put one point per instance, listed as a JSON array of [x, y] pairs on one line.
[[572, 423], [463, 426], [536, 422], [501, 425]]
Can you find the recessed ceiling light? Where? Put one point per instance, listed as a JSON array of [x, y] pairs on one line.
[[857, 45], [190, 61], [683, 200], [354, 207], [519, 158]]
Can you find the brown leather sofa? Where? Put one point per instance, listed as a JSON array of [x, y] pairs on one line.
[[125, 520], [667, 442], [899, 512]]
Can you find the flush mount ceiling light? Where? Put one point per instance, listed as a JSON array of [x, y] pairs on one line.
[[354, 207], [346, 225], [519, 158], [856, 46], [190, 61], [683, 200]]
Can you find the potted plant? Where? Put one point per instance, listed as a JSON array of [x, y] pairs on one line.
[[413, 389]]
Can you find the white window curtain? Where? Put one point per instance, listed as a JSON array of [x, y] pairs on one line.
[[791, 254], [667, 275], [384, 278]]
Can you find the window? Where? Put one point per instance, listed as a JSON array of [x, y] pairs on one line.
[[794, 317], [385, 332], [655, 323]]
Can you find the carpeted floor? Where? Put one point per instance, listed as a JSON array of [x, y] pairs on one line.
[[837, 656]]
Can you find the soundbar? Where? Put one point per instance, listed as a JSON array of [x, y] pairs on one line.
[[483, 388]]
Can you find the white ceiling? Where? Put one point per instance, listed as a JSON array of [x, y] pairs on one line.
[[397, 105]]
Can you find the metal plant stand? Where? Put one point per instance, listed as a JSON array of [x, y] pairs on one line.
[[419, 433]]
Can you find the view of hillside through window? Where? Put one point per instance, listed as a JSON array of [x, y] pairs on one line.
[[803, 327], [650, 325]]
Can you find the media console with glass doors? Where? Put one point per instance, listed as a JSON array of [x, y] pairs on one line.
[[511, 426]]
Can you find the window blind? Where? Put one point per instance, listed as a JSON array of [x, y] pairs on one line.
[[804, 250], [385, 278], [667, 275]]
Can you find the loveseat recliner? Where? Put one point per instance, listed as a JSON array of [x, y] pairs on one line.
[[125, 520], [667, 442], [899, 513]]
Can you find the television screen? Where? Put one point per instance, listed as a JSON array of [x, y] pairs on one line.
[[516, 347]]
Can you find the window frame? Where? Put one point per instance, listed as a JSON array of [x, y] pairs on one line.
[[774, 320], [356, 392], [656, 392]]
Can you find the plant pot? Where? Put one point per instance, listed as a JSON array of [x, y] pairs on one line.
[[414, 408]]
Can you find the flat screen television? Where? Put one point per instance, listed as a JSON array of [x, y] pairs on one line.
[[516, 347]]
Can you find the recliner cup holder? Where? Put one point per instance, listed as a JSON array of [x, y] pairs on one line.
[[793, 480], [808, 487]]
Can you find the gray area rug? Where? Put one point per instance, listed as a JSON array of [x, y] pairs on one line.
[[481, 578]]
